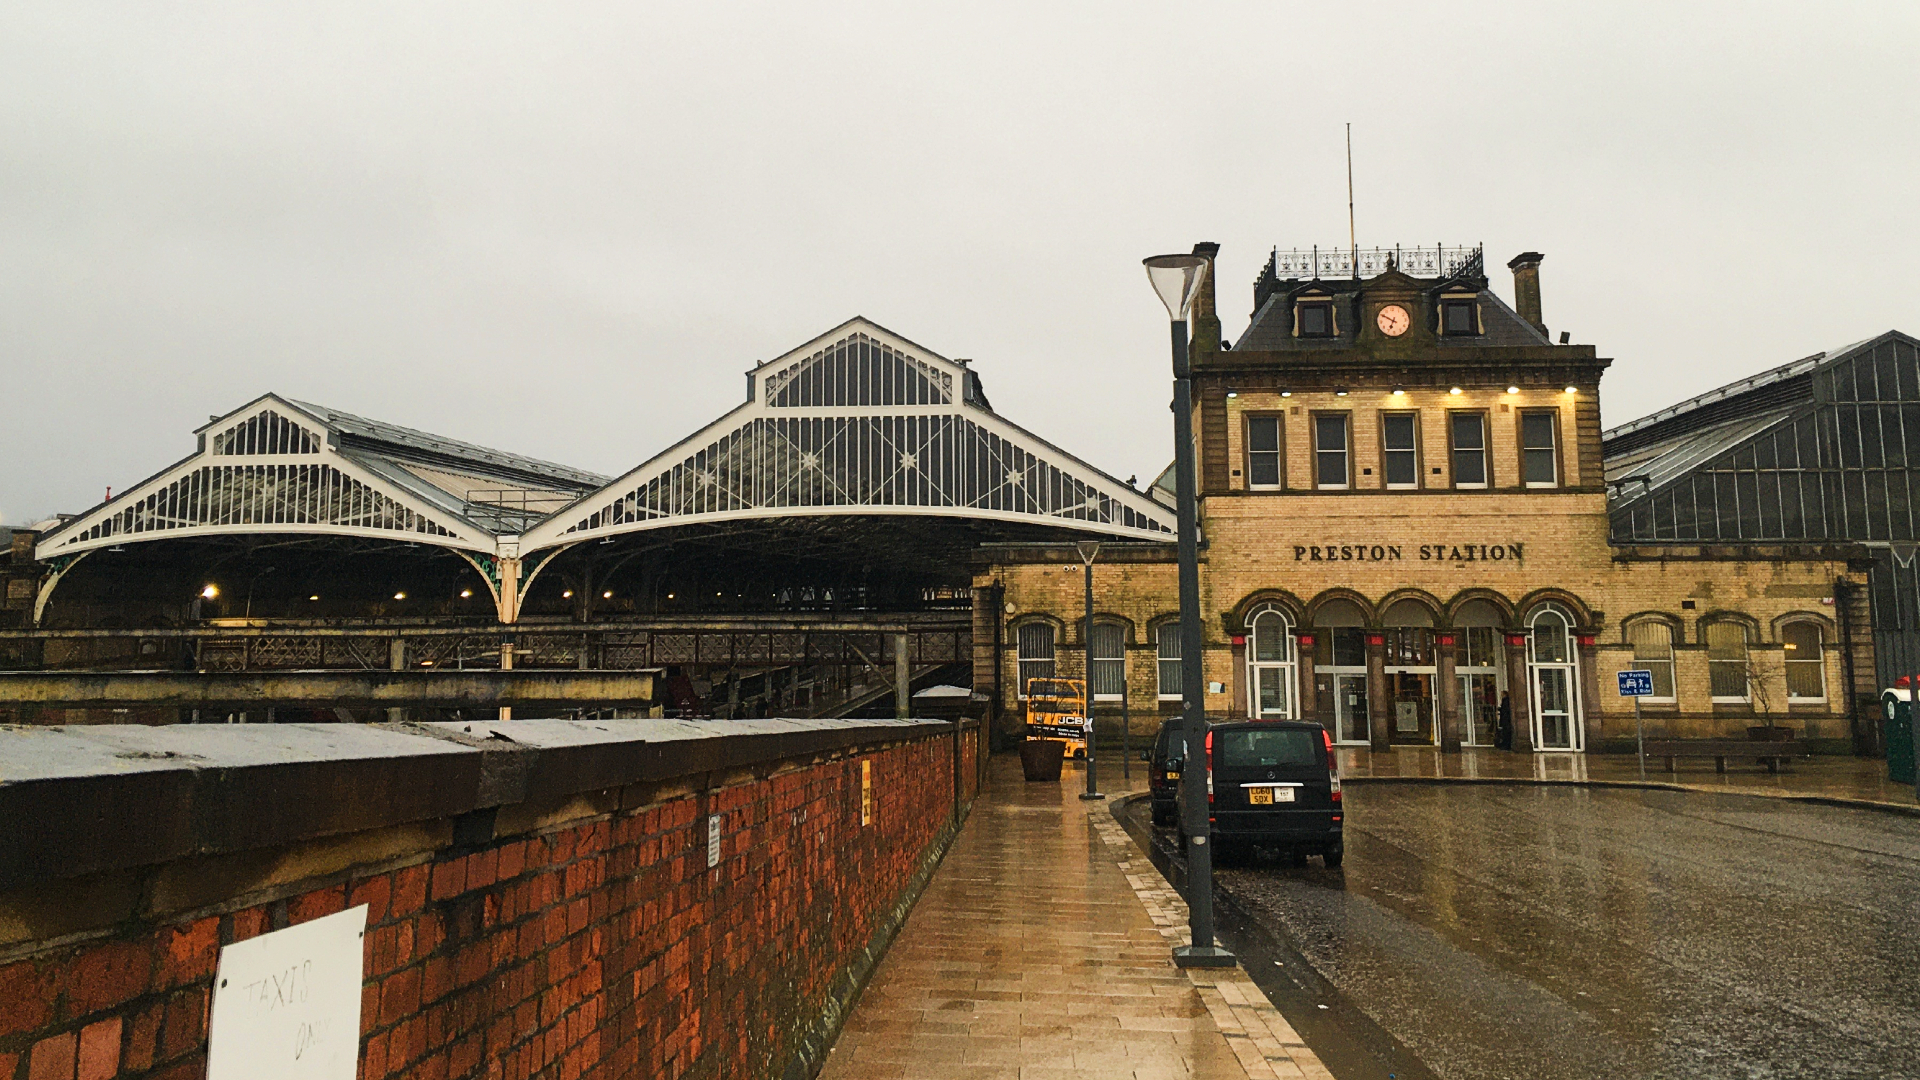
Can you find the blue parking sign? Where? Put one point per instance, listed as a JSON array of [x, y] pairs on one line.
[[1636, 684]]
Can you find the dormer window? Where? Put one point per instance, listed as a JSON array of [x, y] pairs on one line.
[[1459, 316], [1314, 318]]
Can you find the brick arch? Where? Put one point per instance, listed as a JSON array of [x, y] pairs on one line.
[[1368, 615], [1435, 609], [1666, 618], [1059, 625], [1825, 622], [1728, 615], [1467, 596], [1236, 619], [1128, 630], [1584, 617]]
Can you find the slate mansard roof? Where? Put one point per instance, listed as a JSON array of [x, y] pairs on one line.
[[1289, 276]]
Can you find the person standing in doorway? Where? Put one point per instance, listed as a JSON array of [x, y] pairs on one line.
[[1503, 734]]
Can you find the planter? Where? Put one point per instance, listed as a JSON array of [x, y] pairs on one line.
[[1770, 734], [1040, 759]]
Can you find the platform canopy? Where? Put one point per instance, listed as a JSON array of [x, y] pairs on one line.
[[861, 422], [281, 466]]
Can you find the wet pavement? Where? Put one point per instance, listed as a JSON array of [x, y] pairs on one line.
[[1824, 777], [1042, 950], [1500, 931]]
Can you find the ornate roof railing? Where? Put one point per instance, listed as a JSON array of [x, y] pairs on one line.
[[1438, 261]]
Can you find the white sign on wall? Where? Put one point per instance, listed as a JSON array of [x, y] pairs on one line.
[[287, 1004]]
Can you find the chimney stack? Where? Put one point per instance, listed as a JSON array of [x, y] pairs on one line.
[[1205, 316], [1526, 287]]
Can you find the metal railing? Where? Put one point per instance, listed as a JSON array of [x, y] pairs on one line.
[[1438, 261]]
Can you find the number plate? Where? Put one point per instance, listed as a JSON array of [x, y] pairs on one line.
[[1266, 796], [1173, 774]]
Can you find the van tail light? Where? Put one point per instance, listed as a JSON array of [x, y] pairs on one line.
[[1209, 769], [1333, 768]]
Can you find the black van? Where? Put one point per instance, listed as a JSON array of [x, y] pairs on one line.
[[1273, 784], [1163, 771]]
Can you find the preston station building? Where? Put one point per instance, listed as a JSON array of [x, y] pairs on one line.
[[1414, 531]]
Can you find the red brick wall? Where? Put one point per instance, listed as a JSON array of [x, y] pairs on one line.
[[604, 948]]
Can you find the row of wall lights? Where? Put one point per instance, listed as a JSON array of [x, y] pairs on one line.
[[1400, 391]]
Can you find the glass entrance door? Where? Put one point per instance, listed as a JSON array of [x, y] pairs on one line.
[[1552, 663], [1553, 689], [1349, 694], [1410, 701], [1479, 708]]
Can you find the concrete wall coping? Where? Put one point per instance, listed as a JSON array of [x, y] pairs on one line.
[[86, 799]]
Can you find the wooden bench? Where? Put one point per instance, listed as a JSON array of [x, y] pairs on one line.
[[1770, 754]]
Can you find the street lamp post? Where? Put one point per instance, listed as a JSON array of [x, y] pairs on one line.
[[1089, 549], [1177, 279]]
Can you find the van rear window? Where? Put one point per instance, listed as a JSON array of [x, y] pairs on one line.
[[1264, 749]]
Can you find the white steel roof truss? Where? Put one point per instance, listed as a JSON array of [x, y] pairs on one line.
[[904, 443], [265, 468]]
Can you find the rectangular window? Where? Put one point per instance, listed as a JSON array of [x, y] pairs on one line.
[[1036, 654], [1400, 449], [1727, 661], [1109, 661], [1316, 319], [1167, 639], [1263, 451], [1539, 456], [1249, 748], [1653, 651], [1469, 430], [1458, 317], [1806, 662], [1330, 450]]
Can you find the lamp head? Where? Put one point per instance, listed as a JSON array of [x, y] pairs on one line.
[[1177, 279]]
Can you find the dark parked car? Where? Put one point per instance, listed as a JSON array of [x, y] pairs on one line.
[[1163, 771], [1274, 785]]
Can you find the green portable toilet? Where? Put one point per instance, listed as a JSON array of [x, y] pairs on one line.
[[1899, 714]]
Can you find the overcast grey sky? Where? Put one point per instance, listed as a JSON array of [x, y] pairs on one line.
[[566, 229]]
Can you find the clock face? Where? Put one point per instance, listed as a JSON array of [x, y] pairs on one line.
[[1393, 320]]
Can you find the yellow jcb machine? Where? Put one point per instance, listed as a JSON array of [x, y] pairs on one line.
[[1057, 710]]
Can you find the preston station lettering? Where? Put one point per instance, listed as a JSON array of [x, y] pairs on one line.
[[1393, 552]]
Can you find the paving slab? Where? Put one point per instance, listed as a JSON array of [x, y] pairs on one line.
[[1042, 949]]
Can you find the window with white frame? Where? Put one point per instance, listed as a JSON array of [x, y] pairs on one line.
[[1539, 450], [1035, 655], [1727, 661], [1331, 468], [1400, 449], [1806, 661], [1469, 431], [1263, 451], [1109, 660], [1652, 643], [1270, 665], [1167, 641]]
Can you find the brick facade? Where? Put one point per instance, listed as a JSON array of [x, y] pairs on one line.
[[594, 943], [1432, 552]]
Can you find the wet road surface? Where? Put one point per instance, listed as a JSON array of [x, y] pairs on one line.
[[1503, 932]]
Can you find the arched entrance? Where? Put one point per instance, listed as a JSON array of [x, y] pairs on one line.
[[1272, 665], [1482, 670], [1412, 674], [1553, 666], [1340, 667]]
